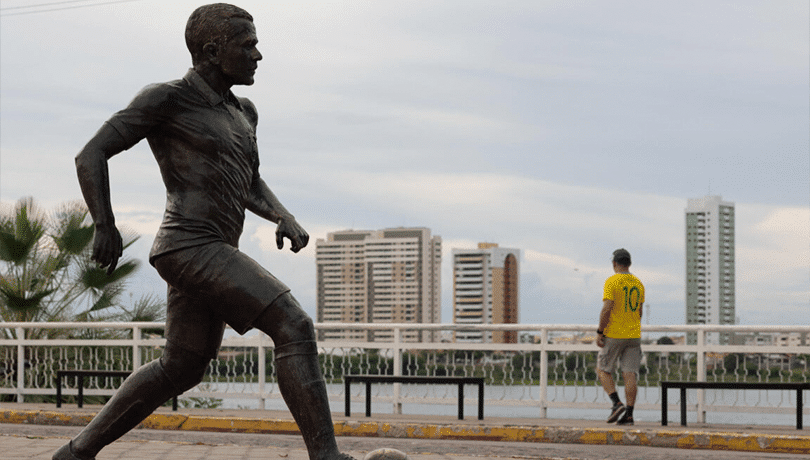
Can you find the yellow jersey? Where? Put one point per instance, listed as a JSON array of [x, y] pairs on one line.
[[627, 294]]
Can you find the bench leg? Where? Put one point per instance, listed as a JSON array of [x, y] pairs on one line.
[[58, 390], [348, 404], [461, 401], [481, 401], [81, 390], [368, 399]]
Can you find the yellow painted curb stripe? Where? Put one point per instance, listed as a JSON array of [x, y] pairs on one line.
[[656, 438], [44, 417], [747, 443], [240, 425], [164, 422]]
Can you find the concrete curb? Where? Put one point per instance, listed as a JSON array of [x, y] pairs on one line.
[[748, 442]]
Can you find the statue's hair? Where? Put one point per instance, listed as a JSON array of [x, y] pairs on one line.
[[211, 24]]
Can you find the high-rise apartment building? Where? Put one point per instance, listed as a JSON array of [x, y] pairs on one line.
[[485, 291], [710, 264], [379, 276]]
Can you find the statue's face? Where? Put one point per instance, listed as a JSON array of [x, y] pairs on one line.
[[238, 58]]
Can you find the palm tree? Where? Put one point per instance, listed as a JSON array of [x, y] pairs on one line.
[[46, 273]]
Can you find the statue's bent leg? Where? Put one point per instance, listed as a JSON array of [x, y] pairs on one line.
[[299, 376], [140, 394]]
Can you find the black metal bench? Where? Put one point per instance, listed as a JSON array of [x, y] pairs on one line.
[[666, 385], [460, 381], [81, 374]]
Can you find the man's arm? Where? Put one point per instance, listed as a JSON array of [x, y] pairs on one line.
[[604, 318], [263, 203], [94, 179]]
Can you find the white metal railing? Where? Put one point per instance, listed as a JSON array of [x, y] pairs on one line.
[[546, 372]]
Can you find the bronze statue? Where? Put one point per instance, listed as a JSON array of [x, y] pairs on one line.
[[204, 140]]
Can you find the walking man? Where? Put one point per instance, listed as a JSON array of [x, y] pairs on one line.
[[204, 140], [619, 336]]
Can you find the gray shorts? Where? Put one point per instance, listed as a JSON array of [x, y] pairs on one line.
[[626, 350], [209, 286]]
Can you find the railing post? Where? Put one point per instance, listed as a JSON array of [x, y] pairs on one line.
[[20, 364], [262, 370], [136, 347], [397, 368], [701, 375], [543, 373]]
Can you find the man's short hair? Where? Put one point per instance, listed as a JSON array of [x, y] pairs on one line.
[[622, 257], [211, 24]]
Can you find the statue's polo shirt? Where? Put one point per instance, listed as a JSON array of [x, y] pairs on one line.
[[206, 148]]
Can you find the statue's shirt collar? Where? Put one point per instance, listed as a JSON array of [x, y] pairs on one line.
[[198, 83]]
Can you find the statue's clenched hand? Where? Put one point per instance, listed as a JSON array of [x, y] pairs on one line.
[[107, 247], [289, 228]]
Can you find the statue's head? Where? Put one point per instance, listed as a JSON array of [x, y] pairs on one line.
[[224, 36]]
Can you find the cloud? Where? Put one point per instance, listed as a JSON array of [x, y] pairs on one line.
[[773, 263], [139, 219]]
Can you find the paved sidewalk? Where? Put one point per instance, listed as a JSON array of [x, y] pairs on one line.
[[19, 448], [38, 442], [523, 432]]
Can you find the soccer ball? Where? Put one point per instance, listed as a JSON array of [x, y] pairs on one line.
[[386, 454]]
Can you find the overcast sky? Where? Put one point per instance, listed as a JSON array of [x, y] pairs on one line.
[[564, 129]]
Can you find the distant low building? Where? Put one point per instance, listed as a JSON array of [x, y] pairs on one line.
[[783, 339], [587, 338]]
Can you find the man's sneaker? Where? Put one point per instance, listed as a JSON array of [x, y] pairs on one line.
[[616, 412], [625, 420]]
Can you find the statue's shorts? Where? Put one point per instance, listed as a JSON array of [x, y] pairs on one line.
[[628, 351], [211, 286]]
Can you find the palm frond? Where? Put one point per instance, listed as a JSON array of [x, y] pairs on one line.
[[97, 278]]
